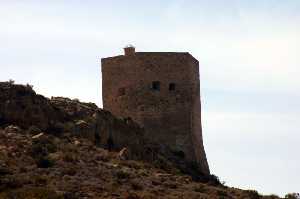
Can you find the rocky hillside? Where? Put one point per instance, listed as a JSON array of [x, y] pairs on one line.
[[21, 106], [62, 148], [34, 164]]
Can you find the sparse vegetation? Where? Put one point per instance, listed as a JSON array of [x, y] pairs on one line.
[[40, 150], [222, 194], [122, 174], [200, 188], [136, 185], [31, 193], [253, 194], [214, 180], [44, 162], [29, 86], [11, 81], [69, 157], [292, 196]]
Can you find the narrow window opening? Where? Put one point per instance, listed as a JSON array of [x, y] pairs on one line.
[[156, 85], [172, 87], [121, 91]]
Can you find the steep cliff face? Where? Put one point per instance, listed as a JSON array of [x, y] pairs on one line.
[[21, 106]]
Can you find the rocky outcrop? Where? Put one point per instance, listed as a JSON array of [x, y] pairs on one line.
[[21, 106], [88, 121]]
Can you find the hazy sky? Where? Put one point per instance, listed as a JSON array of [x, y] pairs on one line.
[[249, 64]]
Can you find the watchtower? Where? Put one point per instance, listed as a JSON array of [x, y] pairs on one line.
[[161, 92]]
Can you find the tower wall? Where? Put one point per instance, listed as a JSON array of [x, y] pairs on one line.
[[160, 91]]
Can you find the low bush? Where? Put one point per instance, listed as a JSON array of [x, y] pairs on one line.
[[200, 188], [9, 182], [292, 196], [40, 150], [70, 157], [136, 185], [121, 174], [71, 171], [30, 193], [214, 180], [253, 194], [42, 146], [40, 180], [44, 162], [222, 194]]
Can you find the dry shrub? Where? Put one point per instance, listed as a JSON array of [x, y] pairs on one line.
[[132, 196], [71, 171], [200, 188], [252, 194], [30, 193], [70, 157], [171, 185], [136, 185], [44, 162], [40, 180], [292, 196], [40, 150], [122, 174], [10, 182], [132, 164], [222, 194]]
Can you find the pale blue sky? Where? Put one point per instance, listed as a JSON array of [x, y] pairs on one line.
[[249, 64]]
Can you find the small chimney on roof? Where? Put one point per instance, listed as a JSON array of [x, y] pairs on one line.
[[129, 50]]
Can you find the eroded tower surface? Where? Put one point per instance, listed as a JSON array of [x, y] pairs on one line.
[[161, 92]]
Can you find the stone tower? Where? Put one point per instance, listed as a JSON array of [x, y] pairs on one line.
[[161, 92]]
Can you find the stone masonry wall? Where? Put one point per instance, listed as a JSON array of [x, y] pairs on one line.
[[170, 117]]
